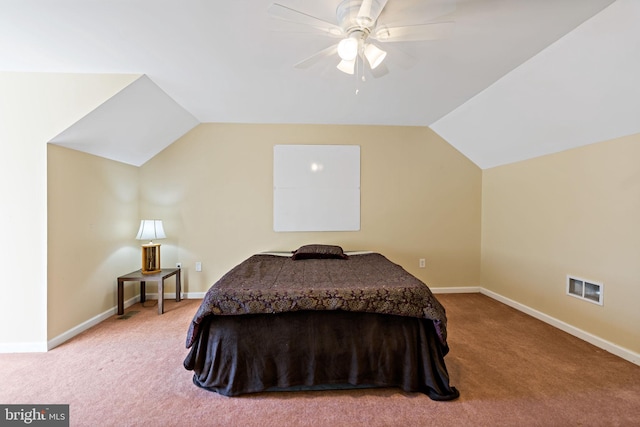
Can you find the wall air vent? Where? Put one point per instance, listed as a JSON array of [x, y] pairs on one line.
[[587, 290]]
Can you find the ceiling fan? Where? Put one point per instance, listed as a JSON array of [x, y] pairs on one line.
[[360, 28]]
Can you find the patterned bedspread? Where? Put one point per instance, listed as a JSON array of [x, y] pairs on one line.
[[276, 284]]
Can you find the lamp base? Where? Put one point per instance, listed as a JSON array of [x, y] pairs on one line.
[[151, 258]]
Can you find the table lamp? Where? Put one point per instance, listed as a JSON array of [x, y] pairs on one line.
[[151, 229]]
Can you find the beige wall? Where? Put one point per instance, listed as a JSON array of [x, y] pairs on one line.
[[576, 212], [34, 107], [573, 212], [92, 223], [420, 198]]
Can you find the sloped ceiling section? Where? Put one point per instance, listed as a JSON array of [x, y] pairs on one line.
[[514, 80], [131, 127], [580, 90]]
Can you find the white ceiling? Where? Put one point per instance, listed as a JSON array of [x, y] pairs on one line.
[[585, 88], [131, 127], [516, 78]]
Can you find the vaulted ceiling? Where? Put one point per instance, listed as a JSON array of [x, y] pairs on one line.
[[515, 79]]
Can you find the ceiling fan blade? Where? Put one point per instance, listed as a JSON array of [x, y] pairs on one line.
[[369, 11], [412, 33], [365, 9], [291, 15], [317, 57]]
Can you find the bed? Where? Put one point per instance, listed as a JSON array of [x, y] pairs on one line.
[[319, 318]]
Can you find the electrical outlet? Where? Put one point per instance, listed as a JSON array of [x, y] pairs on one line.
[[178, 265], [198, 266], [422, 263]]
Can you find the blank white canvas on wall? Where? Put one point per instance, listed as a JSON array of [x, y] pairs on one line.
[[316, 188]]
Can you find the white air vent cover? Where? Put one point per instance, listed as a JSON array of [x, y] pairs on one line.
[[587, 290]]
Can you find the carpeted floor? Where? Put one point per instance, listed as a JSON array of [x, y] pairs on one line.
[[511, 370]]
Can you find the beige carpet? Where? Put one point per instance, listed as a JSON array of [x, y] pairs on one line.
[[511, 370]]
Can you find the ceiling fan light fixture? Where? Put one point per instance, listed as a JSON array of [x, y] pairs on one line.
[[374, 55], [347, 66], [348, 48]]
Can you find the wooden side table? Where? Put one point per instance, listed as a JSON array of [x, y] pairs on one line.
[[137, 276]]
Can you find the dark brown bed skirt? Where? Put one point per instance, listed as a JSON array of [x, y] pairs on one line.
[[234, 355]]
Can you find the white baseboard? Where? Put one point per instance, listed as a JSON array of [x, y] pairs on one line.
[[23, 347], [633, 357], [622, 352], [99, 318], [194, 295], [612, 348], [456, 290], [66, 336]]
